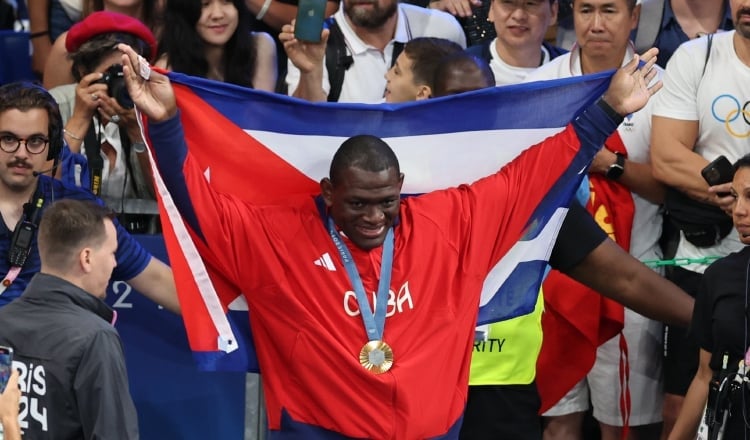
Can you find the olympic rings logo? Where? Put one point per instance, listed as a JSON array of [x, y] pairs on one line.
[[730, 106]]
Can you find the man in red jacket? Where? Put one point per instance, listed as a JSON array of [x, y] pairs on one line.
[[332, 366]]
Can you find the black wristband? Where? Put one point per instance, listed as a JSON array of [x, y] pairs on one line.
[[613, 115]]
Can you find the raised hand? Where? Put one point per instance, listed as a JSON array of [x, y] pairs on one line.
[[306, 56], [150, 91], [458, 8], [629, 90]]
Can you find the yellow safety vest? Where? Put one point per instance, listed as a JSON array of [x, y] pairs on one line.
[[508, 353]]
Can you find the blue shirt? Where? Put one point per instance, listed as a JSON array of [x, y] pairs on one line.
[[671, 34], [131, 257]]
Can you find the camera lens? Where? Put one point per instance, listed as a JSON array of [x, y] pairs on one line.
[[713, 175], [116, 88], [119, 91]]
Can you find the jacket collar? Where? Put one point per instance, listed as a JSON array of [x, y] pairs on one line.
[[55, 290]]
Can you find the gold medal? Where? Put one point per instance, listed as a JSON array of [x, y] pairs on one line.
[[376, 357]]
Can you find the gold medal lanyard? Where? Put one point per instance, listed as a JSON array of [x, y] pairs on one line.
[[376, 356]]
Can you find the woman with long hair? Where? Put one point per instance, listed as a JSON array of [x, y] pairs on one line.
[[212, 39]]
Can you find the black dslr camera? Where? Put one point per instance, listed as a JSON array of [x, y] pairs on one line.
[[115, 81]]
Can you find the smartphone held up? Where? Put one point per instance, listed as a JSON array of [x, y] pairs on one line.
[[310, 17], [719, 171]]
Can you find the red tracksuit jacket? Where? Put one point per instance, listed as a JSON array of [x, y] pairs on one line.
[[305, 320]]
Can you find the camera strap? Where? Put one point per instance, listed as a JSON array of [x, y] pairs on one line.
[[126, 150], [23, 236], [93, 144]]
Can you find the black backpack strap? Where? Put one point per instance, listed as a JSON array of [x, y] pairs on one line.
[[486, 54], [398, 47], [338, 59], [7, 15]]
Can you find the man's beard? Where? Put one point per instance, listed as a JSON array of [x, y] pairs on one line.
[[371, 19], [742, 28]]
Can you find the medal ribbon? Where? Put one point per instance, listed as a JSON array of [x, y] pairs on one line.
[[374, 322]]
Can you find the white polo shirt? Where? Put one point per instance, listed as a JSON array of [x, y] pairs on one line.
[[364, 81]]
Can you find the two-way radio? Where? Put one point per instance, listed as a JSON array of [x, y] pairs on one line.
[[23, 234]]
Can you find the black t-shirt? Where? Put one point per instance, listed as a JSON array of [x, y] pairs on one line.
[[719, 313], [720, 320], [579, 235]]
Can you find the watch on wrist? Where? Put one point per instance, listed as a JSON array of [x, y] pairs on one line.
[[616, 169]]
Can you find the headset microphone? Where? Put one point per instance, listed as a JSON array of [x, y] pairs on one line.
[[39, 173]]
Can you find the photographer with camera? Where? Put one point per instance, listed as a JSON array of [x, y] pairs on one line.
[[99, 119]]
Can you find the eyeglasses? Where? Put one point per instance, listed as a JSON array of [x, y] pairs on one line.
[[530, 6], [34, 144]]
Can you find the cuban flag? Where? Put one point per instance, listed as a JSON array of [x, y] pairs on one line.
[[266, 147]]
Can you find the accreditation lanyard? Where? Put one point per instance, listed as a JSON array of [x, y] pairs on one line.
[[374, 322], [9, 278]]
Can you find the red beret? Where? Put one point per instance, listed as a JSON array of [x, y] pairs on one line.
[[104, 22]]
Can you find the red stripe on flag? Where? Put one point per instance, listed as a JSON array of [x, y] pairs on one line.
[[213, 139], [247, 169]]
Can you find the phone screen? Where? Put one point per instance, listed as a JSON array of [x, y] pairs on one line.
[[6, 366], [310, 18]]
